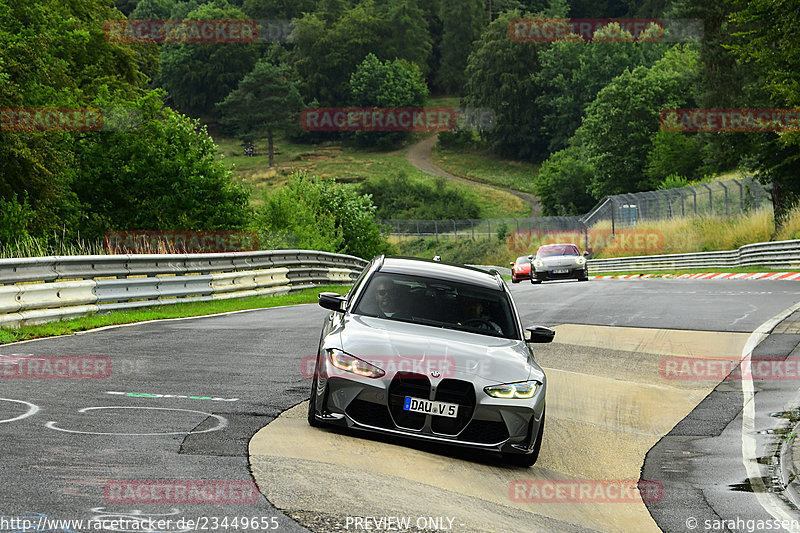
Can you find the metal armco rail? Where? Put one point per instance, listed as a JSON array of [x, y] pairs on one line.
[[779, 254], [44, 289]]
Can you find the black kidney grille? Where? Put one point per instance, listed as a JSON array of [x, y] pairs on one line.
[[370, 414], [408, 384], [454, 391]]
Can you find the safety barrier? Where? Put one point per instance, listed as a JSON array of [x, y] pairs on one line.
[[43, 289], [775, 255]]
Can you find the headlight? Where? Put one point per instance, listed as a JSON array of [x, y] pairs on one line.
[[521, 390], [580, 260], [348, 363], [538, 263]]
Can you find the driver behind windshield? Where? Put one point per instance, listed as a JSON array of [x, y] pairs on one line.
[[475, 317]]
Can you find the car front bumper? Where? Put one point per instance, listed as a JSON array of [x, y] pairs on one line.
[[572, 272], [484, 422]]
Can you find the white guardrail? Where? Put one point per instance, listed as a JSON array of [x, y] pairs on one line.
[[44, 289], [773, 255]]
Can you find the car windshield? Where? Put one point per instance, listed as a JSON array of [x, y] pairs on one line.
[[565, 249], [439, 303], [522, 260]]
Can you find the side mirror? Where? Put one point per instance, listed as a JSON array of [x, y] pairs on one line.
[[585, 254], [333, 301], [530, 257], [539, 334], [511, 264]]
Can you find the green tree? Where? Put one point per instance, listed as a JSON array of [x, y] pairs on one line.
[[674, 153], [266, 101], [197, 76], [153, 9], [376, 83], [563, 181], [462, 23], [165, 174], [328, 46], [767, 38], [572, 73], [500, 77], [277, 9], [620, 124], [55, 54], [406, 33]]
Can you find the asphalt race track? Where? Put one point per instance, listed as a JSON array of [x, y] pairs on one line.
[[185, 398]]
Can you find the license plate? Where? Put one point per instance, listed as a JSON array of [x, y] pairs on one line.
[[560, 270], [428, 407]]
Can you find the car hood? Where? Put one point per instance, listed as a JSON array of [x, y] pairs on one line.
[[559, 261], [464, 354]]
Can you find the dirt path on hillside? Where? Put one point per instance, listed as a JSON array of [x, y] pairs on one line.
[[419, 155]]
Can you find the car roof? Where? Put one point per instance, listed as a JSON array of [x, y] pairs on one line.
[[555, 245], [416, 266]]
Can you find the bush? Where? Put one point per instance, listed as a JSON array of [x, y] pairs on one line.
[[319, 214], [464, 251], [401, 198], [15, 217], [456, 140]]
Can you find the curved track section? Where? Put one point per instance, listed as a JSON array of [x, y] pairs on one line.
[[193, 393]]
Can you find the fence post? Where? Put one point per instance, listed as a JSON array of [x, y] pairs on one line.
[[455, 230], [436, 229], [710, 199], [489, 221], [472, 226], [613, 215], [721, 184], [741, 194]]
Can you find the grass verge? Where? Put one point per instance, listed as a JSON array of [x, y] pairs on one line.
[[348, 164], [479, 164], [178, 310]]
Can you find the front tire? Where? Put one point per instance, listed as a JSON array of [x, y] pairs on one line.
[[312, 401]]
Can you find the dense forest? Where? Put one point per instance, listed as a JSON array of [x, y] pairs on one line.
[[587, 111]]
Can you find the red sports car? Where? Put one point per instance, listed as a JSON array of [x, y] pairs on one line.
[[521, 269]]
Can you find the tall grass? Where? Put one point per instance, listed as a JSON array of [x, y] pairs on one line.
[[790, 229], [42, 247], [700, 234]]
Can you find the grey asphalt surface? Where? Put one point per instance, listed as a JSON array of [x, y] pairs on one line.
[[705, 305], [256, 357]]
